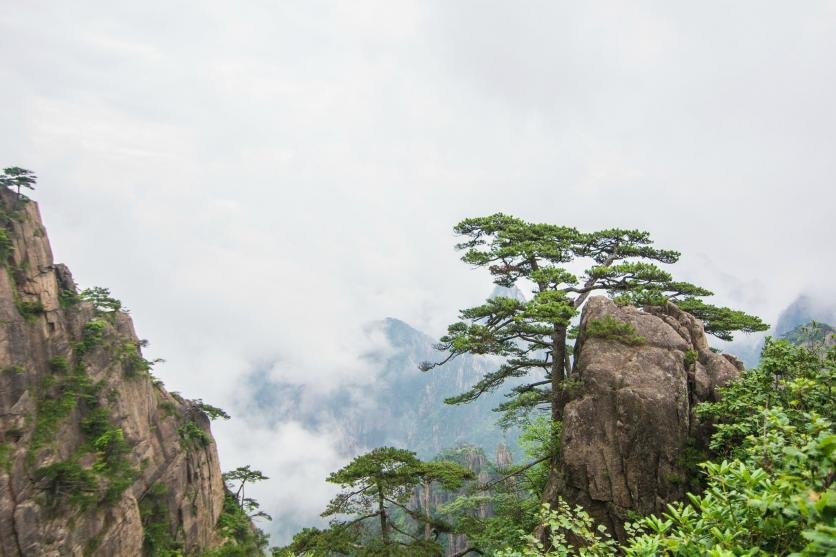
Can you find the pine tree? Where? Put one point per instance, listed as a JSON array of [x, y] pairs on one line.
[[377, 487], [531, 336], [16, 177]]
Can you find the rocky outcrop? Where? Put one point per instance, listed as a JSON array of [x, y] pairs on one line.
[[627, 435], [94, 453]]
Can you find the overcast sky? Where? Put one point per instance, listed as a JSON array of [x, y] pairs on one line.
[[258, 180]]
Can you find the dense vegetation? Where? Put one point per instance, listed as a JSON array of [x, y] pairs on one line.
[[766, 483]]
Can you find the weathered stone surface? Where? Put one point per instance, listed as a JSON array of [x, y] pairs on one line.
[[147, 414], [624, 439]]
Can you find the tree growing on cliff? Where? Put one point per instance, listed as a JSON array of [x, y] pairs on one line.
[[377, 487], [531, 335], [16, 177]]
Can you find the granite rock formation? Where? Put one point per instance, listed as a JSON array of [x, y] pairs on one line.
[[93, 450], [628, 431]]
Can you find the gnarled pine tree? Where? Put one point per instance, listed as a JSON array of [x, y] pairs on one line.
[[377, 487], [530, 336]]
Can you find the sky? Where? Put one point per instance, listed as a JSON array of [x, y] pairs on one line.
[[257, 181]]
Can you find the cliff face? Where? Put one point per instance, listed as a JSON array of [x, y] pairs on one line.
[[96, 458], [627, 435]]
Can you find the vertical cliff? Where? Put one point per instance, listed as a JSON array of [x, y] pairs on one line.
[[629, 433], [96, 457]]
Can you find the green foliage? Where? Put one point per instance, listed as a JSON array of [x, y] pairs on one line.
[[719, 321], [514, 497], [58, 396], [157, 540], [611, 328], [794, 378], [92, 336], [103, 302], [133, 363], [112, 450], [241, 538], [16, 177], [571, 532], [68, 299], [58, 364], [30, 310], [6, 246], [690, 358], [746, 509], [67, 481], [376, 486], [13, 368], [770, 490], [529, 337], [192, 436], [213, 412]]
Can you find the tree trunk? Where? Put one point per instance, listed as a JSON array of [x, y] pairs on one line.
[[428, 531], [558, 402], [558, 367], [384, 526]]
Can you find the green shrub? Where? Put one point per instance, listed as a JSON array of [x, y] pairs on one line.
[[690, 358], [68, 299], [103, 302], [569, 529], [112, 450], [611, 328], [30, 310], [58, 364], [14, 368], [157, 539], [192, 436], [133, 364], [213, 412], [67, 481], [167, 408], [96, 422], [242, 539], [6, 246], [92, 336]]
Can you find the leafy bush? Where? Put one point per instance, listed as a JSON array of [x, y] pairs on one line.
[[157, 538], [112, 450], [571, 532], [794, 378], [92, 336], [785, 508], [30, 310], [67, 481], [611, 328], [58, 364], [103, 302], [68, 299], [690, 358], [213, 412], [133, 364], [192, 436], [6, 246], [242, 539], [13, 368]]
